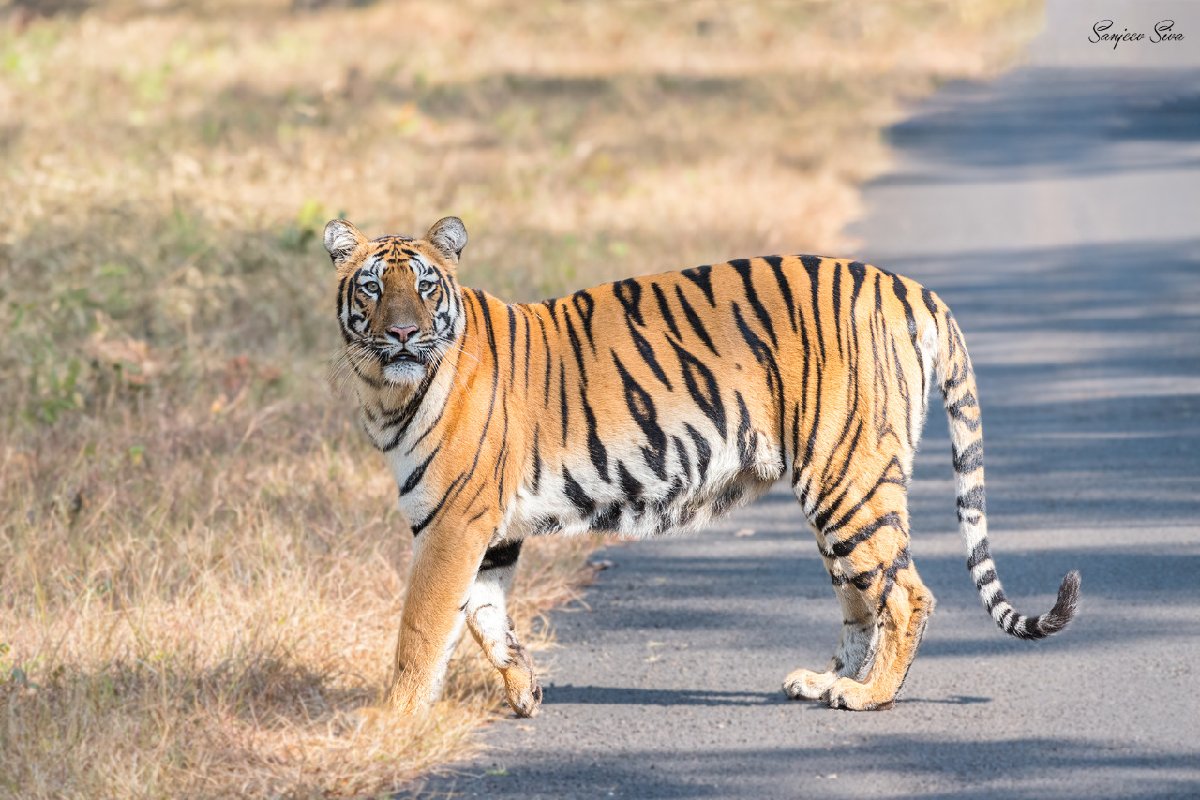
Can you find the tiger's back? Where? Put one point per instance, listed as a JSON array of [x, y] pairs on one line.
[[684, 414], [654, 403]]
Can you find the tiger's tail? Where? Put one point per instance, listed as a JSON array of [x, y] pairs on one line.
[[956, 379]]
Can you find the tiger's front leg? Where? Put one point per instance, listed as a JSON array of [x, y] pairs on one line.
[[446, 560], [489, 623]]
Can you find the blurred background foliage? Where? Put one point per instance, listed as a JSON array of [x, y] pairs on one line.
[[185, 509]]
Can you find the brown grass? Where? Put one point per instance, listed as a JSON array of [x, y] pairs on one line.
[[200, 559]]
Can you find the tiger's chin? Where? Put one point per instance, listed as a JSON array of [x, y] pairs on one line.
[[406, 372]]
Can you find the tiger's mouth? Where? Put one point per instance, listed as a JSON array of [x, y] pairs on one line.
[[403, 357]]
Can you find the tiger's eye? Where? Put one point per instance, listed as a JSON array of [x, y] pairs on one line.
[[426, 286]]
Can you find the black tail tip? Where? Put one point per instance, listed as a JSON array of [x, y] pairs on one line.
[[1065, 607]]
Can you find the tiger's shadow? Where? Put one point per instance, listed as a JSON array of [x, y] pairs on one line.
[[570, 694]]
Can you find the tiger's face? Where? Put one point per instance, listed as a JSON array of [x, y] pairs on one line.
[[398, 301]]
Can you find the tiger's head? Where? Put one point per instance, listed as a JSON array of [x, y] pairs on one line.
[[398, 300]]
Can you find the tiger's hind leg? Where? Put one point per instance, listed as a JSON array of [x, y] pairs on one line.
[[885, 605], [903, 612], [492, 628]]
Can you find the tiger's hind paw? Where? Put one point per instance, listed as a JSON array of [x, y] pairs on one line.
[[848, 694], [804, 684]]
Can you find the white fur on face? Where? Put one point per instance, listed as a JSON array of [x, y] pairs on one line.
[[404, 372]]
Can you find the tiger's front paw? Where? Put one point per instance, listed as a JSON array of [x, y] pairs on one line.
[[850, 695], [520, 682], [524, 696], [406, 707]]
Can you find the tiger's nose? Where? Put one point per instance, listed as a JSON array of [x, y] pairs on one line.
[[402, 332]]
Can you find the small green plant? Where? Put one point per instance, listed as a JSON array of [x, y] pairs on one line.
[[54, 388], [304, 228]]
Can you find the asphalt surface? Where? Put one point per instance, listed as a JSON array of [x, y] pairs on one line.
[[1057, 211]]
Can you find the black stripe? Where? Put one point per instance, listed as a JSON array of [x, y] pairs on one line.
[[341, 301], [685, 463], [546, 354], [822, 517], [586, 306], [957, 377], [694, 320], [427, 431], [837, 304], [596, 448], [709, 399], [418, 472], [901, 292], [765, 357], [996, 600], [703, 450], [702, 277], [630, 487], [742, 266], [858, 274], [985, 579], [973, 500], [785, 289], [629, 292], [577, 347], [955, 410], [578, 497], [902, 387], [979, 554], [930, 305], [665, 310], [812, 265], [500, 556], [537, 458], [528, 345], [607, 519], [419, 527], [402, 417], [845, 547], [815, 424], [512, 344], [795, 438], [564, 408], [969, 459], [641, 407], [747, 437], [646, 351], [498, 464]]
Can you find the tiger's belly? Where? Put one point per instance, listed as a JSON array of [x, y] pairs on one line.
[[635, 495]]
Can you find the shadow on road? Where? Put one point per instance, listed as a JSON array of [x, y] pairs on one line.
[[612, 695], [607, 695], [1052, 122], [1024, 767]]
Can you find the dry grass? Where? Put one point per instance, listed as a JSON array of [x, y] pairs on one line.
[[200, 560]]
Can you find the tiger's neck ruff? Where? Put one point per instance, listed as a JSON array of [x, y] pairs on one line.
[[651, 405]]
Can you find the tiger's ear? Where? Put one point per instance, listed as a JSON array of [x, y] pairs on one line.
[[449, 236], [341, 240]]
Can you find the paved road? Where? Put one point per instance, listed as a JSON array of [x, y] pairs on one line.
[[1057, 210]]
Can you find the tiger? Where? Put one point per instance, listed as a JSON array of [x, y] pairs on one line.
[[650, 405]]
